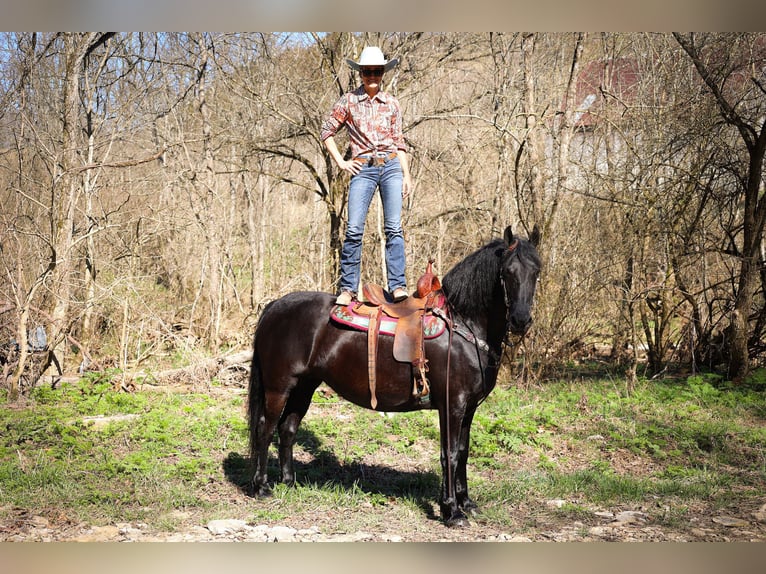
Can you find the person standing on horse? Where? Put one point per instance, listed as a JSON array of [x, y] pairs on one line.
[[377, 160]]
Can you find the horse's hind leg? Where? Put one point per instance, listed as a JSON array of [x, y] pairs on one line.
[[265, 425], [295, 409]]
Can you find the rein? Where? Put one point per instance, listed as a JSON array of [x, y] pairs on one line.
[[466, 333], [446, 413], [480, 345]]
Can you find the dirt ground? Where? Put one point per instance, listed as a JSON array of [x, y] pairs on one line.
[[624, 526], [537, 521]]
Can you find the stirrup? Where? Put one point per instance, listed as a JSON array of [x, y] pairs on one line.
[[421, 388]]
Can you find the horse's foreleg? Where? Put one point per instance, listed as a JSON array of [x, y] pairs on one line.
[[295, 410], [464, 502], [452, 513]]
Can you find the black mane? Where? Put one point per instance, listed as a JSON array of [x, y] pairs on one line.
[[470, 285]]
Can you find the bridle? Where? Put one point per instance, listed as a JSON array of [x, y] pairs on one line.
[[507, 295], [511, 248], [467, 333]]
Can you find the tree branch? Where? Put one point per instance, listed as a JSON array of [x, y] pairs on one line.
[[727, 110]]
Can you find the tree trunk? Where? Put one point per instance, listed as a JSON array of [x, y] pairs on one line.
[[67, 191], [753, 134], [534, 136], [68, 186], [565, 129]]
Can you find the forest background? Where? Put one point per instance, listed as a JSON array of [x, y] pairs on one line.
[[158, 189]]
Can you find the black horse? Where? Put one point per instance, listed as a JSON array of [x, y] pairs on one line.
[[296, 347]]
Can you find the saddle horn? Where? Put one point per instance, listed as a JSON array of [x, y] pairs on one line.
[[428, 282]]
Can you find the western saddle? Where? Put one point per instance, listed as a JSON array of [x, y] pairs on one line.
[[408, 338]]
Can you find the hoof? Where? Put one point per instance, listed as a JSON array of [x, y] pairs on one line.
[[261, 490], [459, 520], [470, 508]]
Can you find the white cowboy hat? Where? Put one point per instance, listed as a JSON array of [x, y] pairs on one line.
[[372, 56]]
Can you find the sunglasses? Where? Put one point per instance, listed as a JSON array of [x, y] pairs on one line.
[[372, 71]]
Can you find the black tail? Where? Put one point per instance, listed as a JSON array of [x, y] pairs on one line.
[[255, 401]]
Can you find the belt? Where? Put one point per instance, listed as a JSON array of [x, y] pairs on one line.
[[377, 158]]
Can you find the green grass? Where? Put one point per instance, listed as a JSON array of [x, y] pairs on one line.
[[690, 443], [51, 458]]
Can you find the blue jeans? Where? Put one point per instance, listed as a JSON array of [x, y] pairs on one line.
[[388, 178]]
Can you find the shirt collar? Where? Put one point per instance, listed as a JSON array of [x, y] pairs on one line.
[[362, 95]]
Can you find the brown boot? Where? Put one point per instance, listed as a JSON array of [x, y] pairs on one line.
[[399, 294], [344, 298]]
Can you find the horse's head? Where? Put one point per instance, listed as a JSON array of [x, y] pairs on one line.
[[519, 273]]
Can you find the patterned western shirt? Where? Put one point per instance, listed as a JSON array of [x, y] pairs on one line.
[[373, 124]]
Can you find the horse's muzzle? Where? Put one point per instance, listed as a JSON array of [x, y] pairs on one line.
[[520, 325]]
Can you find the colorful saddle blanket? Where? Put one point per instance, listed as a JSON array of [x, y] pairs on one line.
[[433, 326]]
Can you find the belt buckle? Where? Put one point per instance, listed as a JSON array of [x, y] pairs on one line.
[[379, 158]]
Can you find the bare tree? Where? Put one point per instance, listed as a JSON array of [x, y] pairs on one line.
[[159, 189], [730, 71]]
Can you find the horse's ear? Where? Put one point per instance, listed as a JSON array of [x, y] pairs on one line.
[[508, 235], [534, 237]]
